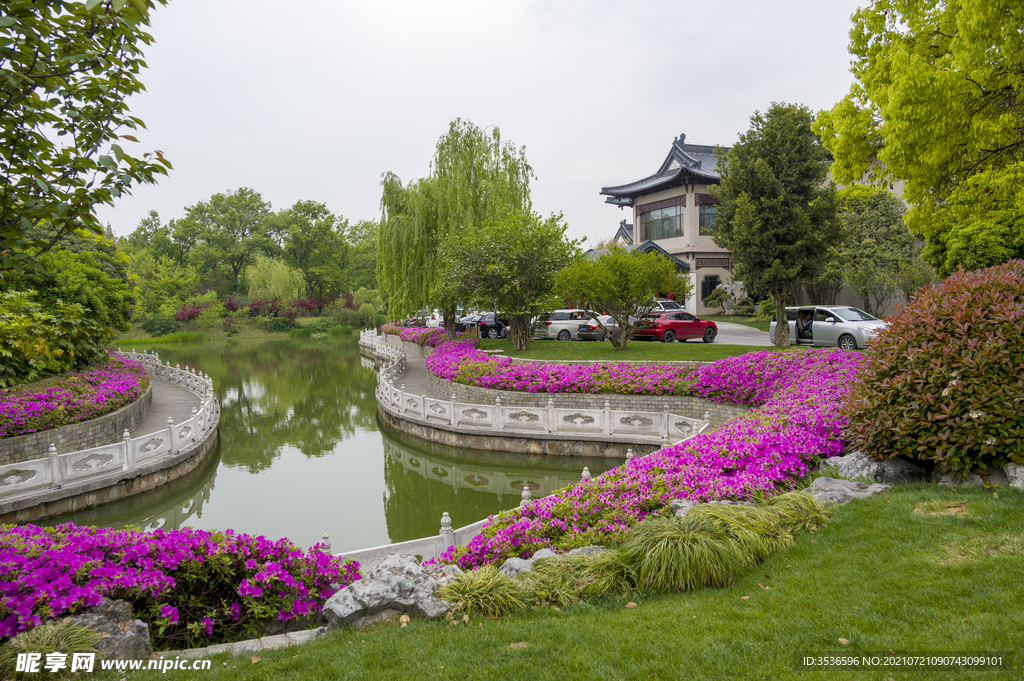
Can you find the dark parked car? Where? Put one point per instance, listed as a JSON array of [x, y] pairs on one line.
[[468, 322], [492, 325], [671, 326]]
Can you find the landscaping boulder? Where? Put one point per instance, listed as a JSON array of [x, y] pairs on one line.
[[398, 583], [857, 465], [680, 507], [588, 551], [543, 553], [835, 491], [994, 478], [124, 638], [513, 566], [445, 574], [1015, 475]]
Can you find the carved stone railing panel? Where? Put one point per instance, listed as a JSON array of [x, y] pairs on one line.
[[91, 462], [18, 478]]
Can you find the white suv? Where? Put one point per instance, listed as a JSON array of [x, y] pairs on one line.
[[561, 325]]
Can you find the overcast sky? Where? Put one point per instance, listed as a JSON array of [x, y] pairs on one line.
[[315, 99]]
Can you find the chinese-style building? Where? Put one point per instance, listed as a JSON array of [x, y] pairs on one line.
[[673, 210]]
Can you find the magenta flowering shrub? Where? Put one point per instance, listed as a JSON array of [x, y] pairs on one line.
[[193, 587], [460, 362], [797, 419], [431, 337], [61, 400]]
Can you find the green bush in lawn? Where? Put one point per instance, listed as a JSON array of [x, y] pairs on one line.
[[277, 325], [944, 382], [745, 307], [160, 326]]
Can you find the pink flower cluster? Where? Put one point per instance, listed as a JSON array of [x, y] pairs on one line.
[[796, 421], [418, 335], [210, 580], [61, 400], [460, 362]]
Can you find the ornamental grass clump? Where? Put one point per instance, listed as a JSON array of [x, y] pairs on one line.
[[798, 511], [193, 587], [674, 554], [57, 637], [944, 382], [485, 591], [760, 532]]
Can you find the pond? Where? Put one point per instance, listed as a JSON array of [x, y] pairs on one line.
[[301, 453]]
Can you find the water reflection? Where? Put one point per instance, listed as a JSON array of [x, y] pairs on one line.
[[300, 454]]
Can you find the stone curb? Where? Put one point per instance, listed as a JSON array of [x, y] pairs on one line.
[[253, 645]]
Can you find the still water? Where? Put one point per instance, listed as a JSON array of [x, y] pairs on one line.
[[301, 453]]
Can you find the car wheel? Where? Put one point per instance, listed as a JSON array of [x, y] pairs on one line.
[[709, 335], [564, 335], [492, 332], [847, 343], [669, 337]]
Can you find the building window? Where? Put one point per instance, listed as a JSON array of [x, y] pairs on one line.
[[707, 219], [663, 223], [708, 286]]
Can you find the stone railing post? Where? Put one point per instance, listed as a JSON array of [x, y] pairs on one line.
[[498, 423], [54, 466], [551, 415], [664, 421], [170, 434], [447, 533], [586, 474], [326, 541], [629, 454], [607, 430], [526, 498], [452, 420], [129, 455]]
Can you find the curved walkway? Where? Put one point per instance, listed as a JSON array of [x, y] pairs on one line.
[[168, 400]]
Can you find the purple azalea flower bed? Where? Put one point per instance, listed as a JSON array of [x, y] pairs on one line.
[[61, 400], [796, 421], [420, 336], [193, 587], [461, 362]]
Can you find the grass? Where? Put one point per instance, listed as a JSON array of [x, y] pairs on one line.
[[576, 351], [878, 576], [179, 337], [753, 322]]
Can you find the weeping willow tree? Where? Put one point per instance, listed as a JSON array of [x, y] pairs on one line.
[[475, 180]]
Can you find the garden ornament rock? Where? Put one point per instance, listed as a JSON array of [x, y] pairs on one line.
[[124, 638], [398, 583], [834, 491], [857, 465], [513, 566]]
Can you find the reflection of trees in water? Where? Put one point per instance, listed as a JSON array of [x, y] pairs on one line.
[[309, 395], [423, 480], [167, 507]]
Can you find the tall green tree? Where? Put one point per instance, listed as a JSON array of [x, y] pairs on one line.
[[313, 242], [509, 266], [67, 70], [777, 214], [361, 265], [937, 105], [622, 284], [475, 179], [232, 230]]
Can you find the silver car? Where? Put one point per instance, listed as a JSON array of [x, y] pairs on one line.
[[842, 326], [561, 325]]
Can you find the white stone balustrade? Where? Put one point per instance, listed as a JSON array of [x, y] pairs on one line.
[[55, 470], [591, 424]]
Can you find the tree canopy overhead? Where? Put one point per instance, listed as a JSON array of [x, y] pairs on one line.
[[66, 72], [476, 180], [937, 103], [778, 209]]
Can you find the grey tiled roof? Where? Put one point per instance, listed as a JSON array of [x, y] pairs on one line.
[[683, 161], [625, 233], [645, 247]]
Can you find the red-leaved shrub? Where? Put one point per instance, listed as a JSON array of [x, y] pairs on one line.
[[945, 381]]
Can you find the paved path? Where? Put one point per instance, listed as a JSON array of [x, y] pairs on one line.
[[414, 379], [171, 400], [738, 334]]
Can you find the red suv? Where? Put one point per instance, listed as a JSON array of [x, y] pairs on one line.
[[670, 326]]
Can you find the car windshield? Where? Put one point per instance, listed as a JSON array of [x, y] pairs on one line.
[[852, 314], [670, 305]]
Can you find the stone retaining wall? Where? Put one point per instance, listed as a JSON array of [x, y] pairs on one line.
[[692, 407], [104, 430]]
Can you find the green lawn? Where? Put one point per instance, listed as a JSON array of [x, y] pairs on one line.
[[736, 319], [635, 350], [917, 569]]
